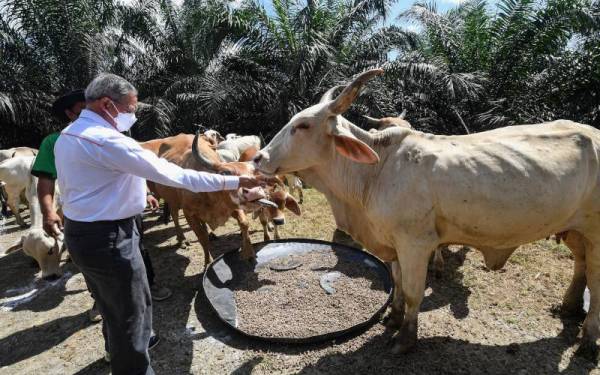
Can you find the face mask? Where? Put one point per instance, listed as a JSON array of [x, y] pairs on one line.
[[124, 121]]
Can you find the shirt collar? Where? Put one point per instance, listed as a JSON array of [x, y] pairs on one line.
[[95, 118]]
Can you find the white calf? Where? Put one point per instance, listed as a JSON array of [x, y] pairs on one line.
[[15, 173], [46, 250]]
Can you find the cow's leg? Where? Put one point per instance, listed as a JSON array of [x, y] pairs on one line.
[[182, 242], [591, 324], [300, 195], [247, 249], [265, 224], [276, 232], [199, 228], [413, 257], [396, 315], [438, 262], [573, 299], [166, 212], [14, 198]]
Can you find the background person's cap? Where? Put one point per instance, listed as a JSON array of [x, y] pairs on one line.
[[65, 102]]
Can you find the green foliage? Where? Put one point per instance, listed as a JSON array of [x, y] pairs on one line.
[[236, 67]]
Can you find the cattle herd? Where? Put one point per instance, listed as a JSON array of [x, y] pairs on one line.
[[403, 194]]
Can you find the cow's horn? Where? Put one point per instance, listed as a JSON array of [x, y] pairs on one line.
[[266, 202], [201, 158], [372, 121], [328, 96], [403, 114], [345, 99]]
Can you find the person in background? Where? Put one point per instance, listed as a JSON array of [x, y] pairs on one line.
[[67, 109], [102, 178]]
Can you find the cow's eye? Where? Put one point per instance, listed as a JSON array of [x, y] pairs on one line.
[[302, 125], [226, 173]]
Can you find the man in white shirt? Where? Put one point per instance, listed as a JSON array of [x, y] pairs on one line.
[[102, 177]]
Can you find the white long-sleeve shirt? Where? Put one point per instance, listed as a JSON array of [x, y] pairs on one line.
[[102, 173]]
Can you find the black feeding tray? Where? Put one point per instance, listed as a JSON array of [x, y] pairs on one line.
[[226, 273]]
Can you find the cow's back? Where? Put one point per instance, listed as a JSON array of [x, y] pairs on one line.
[[16, 171], [213, 208], [496, 186]]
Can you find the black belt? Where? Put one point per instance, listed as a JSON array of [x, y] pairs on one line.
[[117, 221]]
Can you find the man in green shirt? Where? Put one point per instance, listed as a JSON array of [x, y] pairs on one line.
[[67, 109]]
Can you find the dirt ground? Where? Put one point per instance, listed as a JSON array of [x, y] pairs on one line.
[[472, 321]]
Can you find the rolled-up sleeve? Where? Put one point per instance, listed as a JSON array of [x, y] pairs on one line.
[[126, 155]]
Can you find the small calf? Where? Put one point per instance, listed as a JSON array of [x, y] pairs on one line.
[[275, 215]]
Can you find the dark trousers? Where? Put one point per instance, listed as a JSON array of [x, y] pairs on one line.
[[144, 252], [108, 255]]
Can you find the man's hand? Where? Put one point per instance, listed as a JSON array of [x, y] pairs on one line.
[[52, 224], [152, 202]]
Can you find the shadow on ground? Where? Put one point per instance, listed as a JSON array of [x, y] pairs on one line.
[[35, 340]]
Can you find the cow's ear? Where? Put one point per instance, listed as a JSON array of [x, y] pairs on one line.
[[353, 148], [292, 205]]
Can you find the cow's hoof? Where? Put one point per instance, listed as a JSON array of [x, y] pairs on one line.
[[588, 350], [393, 320], [403, 344], [250, 257], [52, 277], [571, 312]]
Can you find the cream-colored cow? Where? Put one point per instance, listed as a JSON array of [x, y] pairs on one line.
[[17, 151], [15, 176], [36, 243], [402, 193]]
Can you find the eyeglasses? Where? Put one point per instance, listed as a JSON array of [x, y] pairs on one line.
[[130, 107]]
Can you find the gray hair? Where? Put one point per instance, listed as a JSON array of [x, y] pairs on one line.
[[109, 85]]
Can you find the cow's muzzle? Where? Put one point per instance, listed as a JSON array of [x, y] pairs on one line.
[[279, 221]]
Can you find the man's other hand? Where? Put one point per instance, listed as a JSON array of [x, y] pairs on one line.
[[152, 202], [52, 224]]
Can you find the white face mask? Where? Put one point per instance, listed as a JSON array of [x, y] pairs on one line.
[[124, 121]]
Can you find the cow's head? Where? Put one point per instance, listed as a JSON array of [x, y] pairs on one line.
[[213, 137], [247, 199], [388, 122], [313, 135], [282, 200], [46, 251]]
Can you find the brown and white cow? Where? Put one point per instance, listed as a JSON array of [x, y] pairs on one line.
[[202, 209], [269, 215], [388, 122], [403, 193], [275, 215]]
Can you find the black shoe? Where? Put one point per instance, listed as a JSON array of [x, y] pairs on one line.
[[154, 340]]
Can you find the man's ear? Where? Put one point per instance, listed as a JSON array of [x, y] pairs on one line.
[[351, 147], [292, 205]]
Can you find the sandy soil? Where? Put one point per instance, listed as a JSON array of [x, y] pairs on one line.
[[473, 321]]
